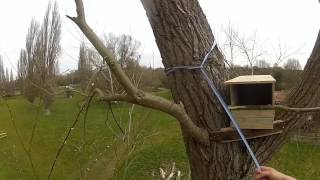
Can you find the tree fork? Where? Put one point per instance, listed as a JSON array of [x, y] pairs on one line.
[[136, 95]]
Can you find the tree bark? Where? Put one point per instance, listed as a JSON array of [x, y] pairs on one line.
[[183, 36]]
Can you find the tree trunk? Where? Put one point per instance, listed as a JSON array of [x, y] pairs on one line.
[[183, 36]]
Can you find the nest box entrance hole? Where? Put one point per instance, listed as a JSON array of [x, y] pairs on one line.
[[251, 94]]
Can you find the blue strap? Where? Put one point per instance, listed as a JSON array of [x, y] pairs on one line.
[[224, 105]]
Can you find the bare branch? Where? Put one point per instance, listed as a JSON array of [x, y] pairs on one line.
[[80, 10], [284, 52], [287, 108], [82, 109], [282, 107], [103, 51], [250, 48], [114, 97], [134, 95]]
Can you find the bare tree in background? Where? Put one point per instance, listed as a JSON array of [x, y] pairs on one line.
[[127, 51], [262, 63], [292, 64], [22, 71], [84, 66], [124, 48], [7, 84], [12, 84], [26, 64], [38, 63], [111, 41], [48, 50], [283, 52], [250, 49], [229, 46], [91, 69], [2, 75]]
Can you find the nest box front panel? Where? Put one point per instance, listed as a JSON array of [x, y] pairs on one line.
[[254, 119], [251, 98]]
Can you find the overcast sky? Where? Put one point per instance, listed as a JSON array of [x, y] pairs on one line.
[[291, 22]]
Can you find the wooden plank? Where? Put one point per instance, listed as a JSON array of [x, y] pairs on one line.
[[227, 135], [254, 119], [249, 135], [273, 95], [251, 107], [251, 79]]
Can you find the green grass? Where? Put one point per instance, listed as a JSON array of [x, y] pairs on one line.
[[299, 160], [164, 147], [52, 129]]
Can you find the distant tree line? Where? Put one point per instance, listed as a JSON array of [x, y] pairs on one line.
[[7, 82], [286, 77], [154, 78], [125, 49], [93, 70], [249, 48]]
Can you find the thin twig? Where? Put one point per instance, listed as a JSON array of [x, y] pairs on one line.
[[68, 134], [84, 124], [108, 126], [130, 123], [114, 118], [35, 125]]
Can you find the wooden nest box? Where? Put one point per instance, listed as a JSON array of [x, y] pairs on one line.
[[252, 101]]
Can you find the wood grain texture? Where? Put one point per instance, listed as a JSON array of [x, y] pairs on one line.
[[228, 135], [254, 119], [251, 79]]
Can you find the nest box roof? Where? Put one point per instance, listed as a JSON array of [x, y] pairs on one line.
[[251, 79]]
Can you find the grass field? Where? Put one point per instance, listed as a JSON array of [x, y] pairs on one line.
[[91, 153]]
